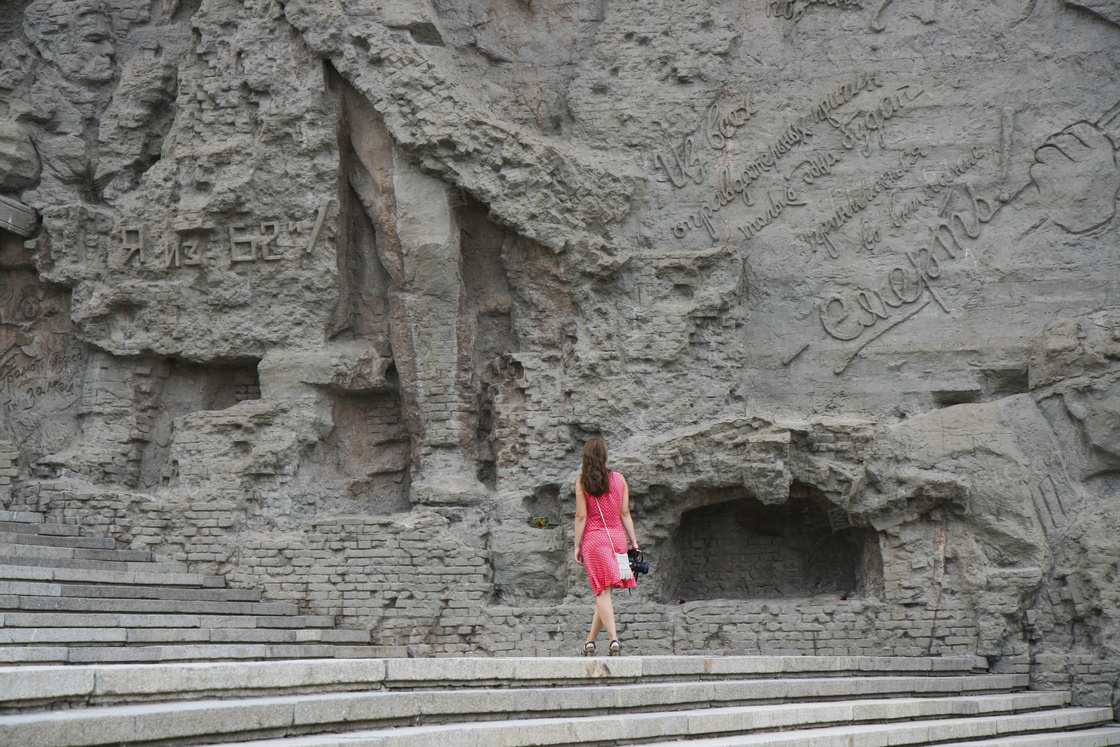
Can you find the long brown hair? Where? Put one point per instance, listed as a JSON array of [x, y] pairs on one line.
[[595, 477]]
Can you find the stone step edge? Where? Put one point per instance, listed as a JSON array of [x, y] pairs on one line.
[[643, 728], [123, 684], [101, 605], [174, 636], [54, 540], [80, 589], [63, 552], [20, 657], [200, 721], [404, 673], [1102, 736], [78, 575], [42, 527], [97, 620], [22, 517], [85, 564]]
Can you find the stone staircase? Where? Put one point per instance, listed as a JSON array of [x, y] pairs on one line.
[[68, 598], [712, 702], [298, 682]]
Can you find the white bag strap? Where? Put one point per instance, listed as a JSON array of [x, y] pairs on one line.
[[609, 537]]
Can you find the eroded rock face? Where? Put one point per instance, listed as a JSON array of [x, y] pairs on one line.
[[354, 280]]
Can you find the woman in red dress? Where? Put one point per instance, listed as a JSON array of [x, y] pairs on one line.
[[603, 527]]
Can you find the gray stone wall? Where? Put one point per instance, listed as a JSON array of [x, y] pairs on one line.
[[326, 296]]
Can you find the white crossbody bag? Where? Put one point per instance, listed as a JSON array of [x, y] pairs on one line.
[[623, 559]]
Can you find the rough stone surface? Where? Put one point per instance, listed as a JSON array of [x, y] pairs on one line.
[[327, 296]]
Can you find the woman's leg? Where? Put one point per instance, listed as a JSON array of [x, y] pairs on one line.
[[604, 612], [596, 624]]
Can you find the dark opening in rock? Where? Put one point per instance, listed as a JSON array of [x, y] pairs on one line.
[[167, 389], [1005, 382], [743, 549], [950, 397]]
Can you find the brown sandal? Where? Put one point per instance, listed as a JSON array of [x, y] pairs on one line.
[[588, 649], [615, 649]]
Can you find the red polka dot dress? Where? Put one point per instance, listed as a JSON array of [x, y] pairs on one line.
[[598, 555]]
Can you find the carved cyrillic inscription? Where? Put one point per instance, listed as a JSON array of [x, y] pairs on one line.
[[268, 240], [735, 183], [682, 163], [186, 250], [855, 201], [865, 314], [777, 202], [132, 241], [793, 10]]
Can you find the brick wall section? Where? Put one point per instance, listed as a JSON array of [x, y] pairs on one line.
[[424, 580], [9, 469]]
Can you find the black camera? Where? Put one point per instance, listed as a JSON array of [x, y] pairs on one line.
[[638, 562]]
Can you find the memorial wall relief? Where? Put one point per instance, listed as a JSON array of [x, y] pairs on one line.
[[326, 296]]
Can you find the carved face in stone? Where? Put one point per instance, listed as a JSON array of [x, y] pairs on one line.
[[73, 35], [31, 304]]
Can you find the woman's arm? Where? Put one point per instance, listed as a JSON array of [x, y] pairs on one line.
[[581, 519], [627, 521]]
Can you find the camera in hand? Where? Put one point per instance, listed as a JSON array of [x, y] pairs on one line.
[[638, 562]]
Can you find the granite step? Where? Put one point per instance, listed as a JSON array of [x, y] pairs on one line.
[[143, 566], [21, 603], [637, 713], [917, 733], [51, 540], [21, 517], [216, 679], [111, 591], [77, 553], [1105, 736], [184, 620], [21, 572], [247, 652], [645, 728], [50, 528], [175, 636], [530, 671]]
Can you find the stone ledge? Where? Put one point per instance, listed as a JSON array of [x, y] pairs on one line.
[[285, 715]]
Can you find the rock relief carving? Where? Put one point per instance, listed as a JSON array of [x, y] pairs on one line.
[[1077, 175]]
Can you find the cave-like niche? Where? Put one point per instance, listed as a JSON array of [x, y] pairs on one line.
[[490, 309], [740, 548], [166, 389], [372, 446]]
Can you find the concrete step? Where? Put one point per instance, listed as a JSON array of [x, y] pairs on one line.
[[19, 603], [175, 636], [21, 517], [917, 733], [60, 530], [220, 680], [527, 672], [90, 565], [50, 540], [20, 655], [653, 728], [201, 721], [98, 620], [21, 550], [1105, 736], [88, 576], [111, 591]]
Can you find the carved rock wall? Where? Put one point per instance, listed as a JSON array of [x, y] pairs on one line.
[[326, 296]]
